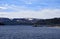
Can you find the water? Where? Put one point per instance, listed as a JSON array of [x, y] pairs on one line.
[[29, 32]]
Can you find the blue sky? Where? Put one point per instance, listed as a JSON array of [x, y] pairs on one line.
[[30, 8]]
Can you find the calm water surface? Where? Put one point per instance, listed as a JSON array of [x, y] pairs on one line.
[[29, 32]]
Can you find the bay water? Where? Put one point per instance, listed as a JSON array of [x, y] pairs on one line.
[[28, 32]]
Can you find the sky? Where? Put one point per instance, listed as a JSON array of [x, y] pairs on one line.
[[30, 8]]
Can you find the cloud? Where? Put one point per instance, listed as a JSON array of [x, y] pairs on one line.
[[12, 8], [6, 7], [31, 9], [3, 8], [44, 13], [28, 5]]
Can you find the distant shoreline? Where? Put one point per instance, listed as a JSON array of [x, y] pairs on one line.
[[35, 26], [46, 25], [54, 22]]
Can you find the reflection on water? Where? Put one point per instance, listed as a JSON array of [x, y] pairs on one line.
[[29, 32]]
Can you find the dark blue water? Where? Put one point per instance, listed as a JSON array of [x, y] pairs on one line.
[[29, 32]]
